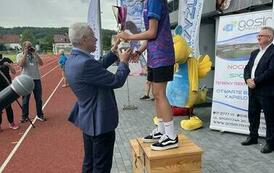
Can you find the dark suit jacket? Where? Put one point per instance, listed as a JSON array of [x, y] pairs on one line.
[[95, 111], [264, 73]]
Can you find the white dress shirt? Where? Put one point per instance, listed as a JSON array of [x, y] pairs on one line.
[[257, 60]]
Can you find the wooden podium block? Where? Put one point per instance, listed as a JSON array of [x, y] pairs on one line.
[[137, 165], [184, 159]]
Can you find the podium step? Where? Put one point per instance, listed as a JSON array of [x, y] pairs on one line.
[[184, 159]]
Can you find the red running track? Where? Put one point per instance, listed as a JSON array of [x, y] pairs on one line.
[[54, 145]]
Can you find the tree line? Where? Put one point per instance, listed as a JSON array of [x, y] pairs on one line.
[[44, 36]]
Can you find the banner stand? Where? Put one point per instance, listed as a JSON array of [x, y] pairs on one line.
[[236, 39], [129, 106]]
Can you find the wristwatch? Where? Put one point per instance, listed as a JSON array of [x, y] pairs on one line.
[[138, 52]]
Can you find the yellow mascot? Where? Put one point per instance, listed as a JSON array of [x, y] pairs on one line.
[[183, 92]]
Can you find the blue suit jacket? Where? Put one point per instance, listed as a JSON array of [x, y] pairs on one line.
[[95, 111], [264, 73]]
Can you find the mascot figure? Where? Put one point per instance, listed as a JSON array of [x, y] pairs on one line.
[[183, 92]]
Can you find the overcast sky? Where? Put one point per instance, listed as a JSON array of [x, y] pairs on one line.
[[51, 13]]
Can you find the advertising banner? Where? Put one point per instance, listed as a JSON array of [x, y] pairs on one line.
[[235, 41], [94, 22], [134, 24], [189, 19]]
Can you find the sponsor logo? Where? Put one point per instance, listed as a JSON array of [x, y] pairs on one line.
[[236, 75], [230, 27], [247, 24], [235, 67], [253, 24]]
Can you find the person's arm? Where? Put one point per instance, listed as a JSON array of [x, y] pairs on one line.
[[149, 34], [10, 66], [108, 59], [268, 74], [38, 58], [248, 68], [247, 72], [21, 59], [111, 56], [115, 45], [94, 74], [60, 60], [142, 48], [136, 55]]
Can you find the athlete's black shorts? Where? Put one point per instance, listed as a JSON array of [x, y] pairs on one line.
[[160, 74]]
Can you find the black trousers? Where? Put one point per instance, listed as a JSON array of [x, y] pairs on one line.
[[37, 91], [256, 104], [9, 113], [98, 153]]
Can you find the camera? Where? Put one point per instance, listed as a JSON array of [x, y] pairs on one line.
[[31, 49]]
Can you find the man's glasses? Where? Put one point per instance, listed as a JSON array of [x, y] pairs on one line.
[[261, 35]]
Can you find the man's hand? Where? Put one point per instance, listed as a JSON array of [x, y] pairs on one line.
[[250, 83], [135, 57], [11, 68], [116, 42], [124, 55], [115, 45]]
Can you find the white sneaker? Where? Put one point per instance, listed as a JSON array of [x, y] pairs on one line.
[[165, 143], [13, 126], [41, 118], [154, 136]]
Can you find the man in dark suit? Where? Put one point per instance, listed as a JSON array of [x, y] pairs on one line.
[[259, 76], [95, 111]]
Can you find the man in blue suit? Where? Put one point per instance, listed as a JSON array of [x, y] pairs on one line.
[[95, 111], [259, 76]]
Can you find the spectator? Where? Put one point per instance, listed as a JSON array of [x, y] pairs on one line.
[[259, 77], [5, 79], [62, 60], [147, 92], [95, 111], [148, 84], [29, 60]]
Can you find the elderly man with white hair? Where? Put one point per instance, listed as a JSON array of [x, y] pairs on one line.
[[95, 111]]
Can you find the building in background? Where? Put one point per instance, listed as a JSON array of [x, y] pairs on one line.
[[10, 42], [61, 42]]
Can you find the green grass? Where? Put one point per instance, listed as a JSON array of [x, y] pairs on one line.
[[12, 56]]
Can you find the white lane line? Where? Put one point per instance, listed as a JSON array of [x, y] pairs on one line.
[[26, 132], [53, 92], [50, 71]]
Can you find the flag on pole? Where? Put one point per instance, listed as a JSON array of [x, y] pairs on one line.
[[94, 21], [189, 19]]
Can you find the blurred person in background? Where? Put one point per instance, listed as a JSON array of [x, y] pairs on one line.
[[5, 79], [30, 61], [62, 61]]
